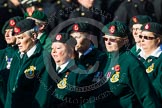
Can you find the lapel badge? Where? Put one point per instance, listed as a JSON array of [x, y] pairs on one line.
[[112, 29], [58, 37], [150, 68], [29, 73], [117, 68], [63, 83], [116, 76], [108, 75]]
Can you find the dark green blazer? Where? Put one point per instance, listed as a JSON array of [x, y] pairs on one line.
[[6, 56], [69, 91], [28, 81], [128, 85]]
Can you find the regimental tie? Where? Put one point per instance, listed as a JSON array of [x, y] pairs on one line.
[[57, 70]]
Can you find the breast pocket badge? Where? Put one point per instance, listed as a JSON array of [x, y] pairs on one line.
[[30, 72], [62, 84]]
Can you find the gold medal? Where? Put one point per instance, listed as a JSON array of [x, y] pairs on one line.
[[150, 68], [115, 77]]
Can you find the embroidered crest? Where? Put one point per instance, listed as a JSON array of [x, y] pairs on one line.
[[115, 77], [135, 20], [17, 30], [58, 37], [29, 73], [63, 83], [76, 27], [150, 68], [112, 29], [147, 26], [12, 23]]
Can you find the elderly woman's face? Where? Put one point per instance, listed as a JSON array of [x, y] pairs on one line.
[[148, 41], [114, 43], [60, 53], [25, 42], [9, 38]]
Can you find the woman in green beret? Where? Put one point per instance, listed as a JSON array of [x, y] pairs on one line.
[[69, 91], [127, 81], [28, 79], [151, 54], [6, 55]]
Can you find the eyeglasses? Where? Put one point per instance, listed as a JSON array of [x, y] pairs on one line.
[[110, 39], [147, 37]]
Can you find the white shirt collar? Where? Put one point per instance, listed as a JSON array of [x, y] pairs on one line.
[[137, 47], [31, 51], [39, 35], [62, 66], [155, 53]]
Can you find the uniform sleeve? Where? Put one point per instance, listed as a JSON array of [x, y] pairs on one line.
[[142, 86], [157, 83]]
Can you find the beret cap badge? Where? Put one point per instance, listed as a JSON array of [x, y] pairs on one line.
[[12, 23], [135, 19], [147, 26], [112, 29], [76, 27], [58, 37], [17, 30]]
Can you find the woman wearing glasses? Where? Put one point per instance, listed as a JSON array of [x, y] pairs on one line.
[[126, 76], [136, 23], [151, 54]]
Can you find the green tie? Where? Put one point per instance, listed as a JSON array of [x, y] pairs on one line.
[[57, 70], [25, 57]]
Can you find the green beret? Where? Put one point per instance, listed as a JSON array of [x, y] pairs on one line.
[[116, 28], [11, 23], [79, 27], [39, 15], [65, 38], [152, 27], [23, 26], [139, 19]]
